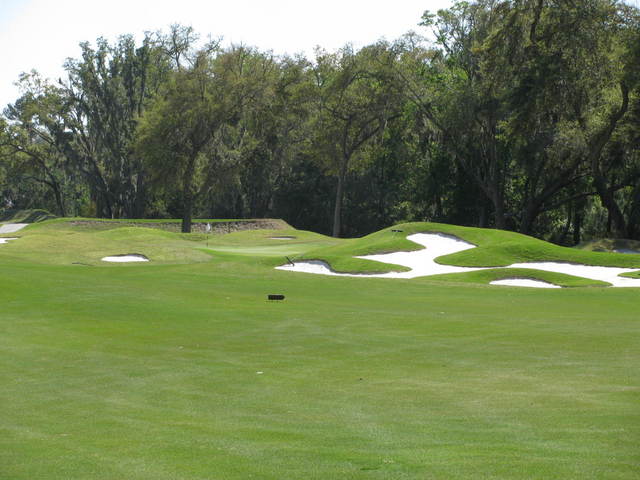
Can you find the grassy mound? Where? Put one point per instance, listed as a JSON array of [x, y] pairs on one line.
[[495, 248], [488, 276], [66, 242], [62, 241], [631, 274]]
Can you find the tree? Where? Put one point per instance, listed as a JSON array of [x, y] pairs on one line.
[[572, 72], [33, 137], [108, 89], [356, 97], [276, 128], [462, 101], [192, 131]]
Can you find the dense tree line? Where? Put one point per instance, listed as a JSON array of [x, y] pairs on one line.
[[515, 114]]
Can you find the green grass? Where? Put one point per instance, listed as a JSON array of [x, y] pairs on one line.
[[495, 248], [631, 274], [61, 242], [150, 371], [490, 275]]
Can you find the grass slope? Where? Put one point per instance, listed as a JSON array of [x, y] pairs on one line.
[[495, 248], [152, 373], [488, 276], [61, 242], [631, 274]]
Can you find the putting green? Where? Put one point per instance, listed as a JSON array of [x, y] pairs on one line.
[[150, 371]]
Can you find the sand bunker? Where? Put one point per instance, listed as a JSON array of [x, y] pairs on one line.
[[604, 274], [130, 257], [5, 240], [422, 263], [524, 282], [282, 238], [12, 227]]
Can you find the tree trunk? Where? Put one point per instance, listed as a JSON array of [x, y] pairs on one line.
[[187, 195], [618, 225], [605, 193], [59, 200], [531, 212], [103, 205], [337, 212], [498, 210], [187, 212], [634, 214], [55, 186], [577, 226], [140, 196], [567, 226], [482, 217]]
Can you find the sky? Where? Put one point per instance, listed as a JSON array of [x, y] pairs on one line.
[[41, 34]]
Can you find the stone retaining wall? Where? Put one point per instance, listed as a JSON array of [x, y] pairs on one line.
[[196, 227]]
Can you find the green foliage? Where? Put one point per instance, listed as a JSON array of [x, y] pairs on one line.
[[522, 116], [108, 89], [33, 142], [193, 132], [357, 95], [25, 216]]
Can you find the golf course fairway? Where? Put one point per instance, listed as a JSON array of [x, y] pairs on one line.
[[179, 368]]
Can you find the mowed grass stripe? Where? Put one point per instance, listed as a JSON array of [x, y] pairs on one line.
[[142, 372]]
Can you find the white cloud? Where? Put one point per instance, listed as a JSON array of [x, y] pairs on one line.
[[41, 34]]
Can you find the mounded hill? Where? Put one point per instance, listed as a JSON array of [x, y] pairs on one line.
[[87, 241], [495, 248], [73, 241]]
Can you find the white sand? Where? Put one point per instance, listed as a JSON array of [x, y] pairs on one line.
[[314, 266], [5, 240], [422, 263], [524, 282], [604, 274], [125, 258], [282, 238], [12, 227]]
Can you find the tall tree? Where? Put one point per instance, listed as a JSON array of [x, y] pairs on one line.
[[109, 88], [463, 101], [356, 97], [34, 135], [193, 129]]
